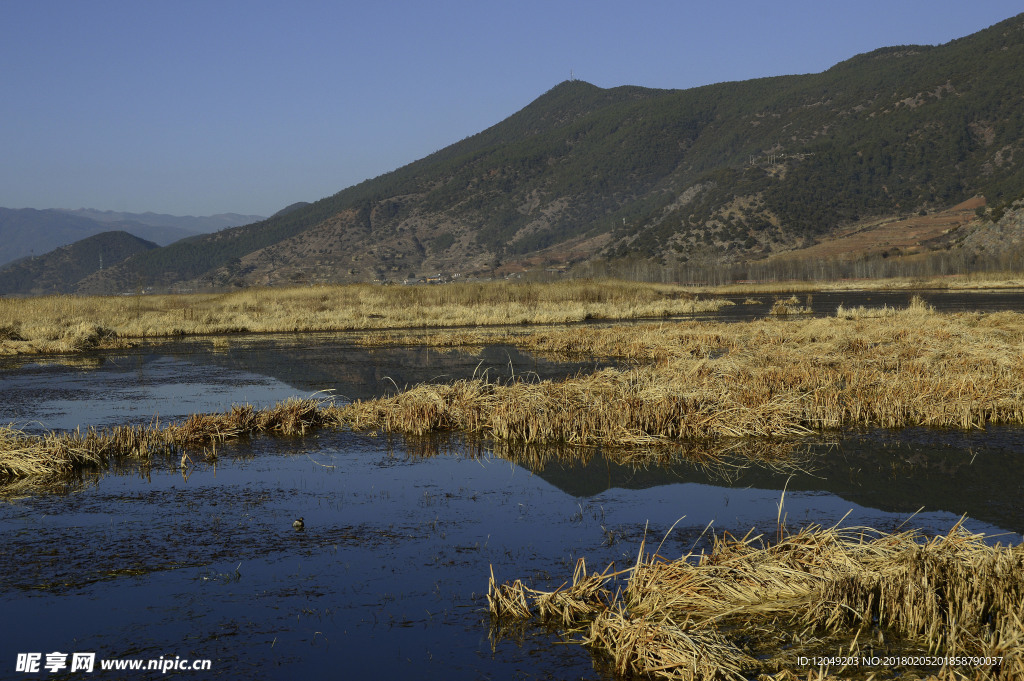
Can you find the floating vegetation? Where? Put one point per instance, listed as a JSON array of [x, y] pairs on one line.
[[23, 455], [752, 609], [787, 306], [689, 383], [916, 305], [56, 454]]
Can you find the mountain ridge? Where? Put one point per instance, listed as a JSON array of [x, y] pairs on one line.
[[188, 223], [715, 175], [61, 270], [26, 232]]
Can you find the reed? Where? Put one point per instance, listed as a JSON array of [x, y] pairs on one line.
[[768, 378], [703, 616], [75, 323], [24, 455], [67, 324], [787, 306], [55, 454], [699, 382]]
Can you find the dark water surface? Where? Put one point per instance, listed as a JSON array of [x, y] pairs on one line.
[[825, 303], [388, 578], [172, 380]]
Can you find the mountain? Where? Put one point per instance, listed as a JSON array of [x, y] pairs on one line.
[[186, 225], [289, 208], [60, 270], [714, 175], [27, 231]]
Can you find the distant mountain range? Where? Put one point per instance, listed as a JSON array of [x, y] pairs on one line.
[[728, 173], [187, 223], [60, 270], [30, 232]]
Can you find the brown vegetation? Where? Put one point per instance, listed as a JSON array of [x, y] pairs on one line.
[[56, 454], [765, 378], [68, 324], [750, 609], [74, 323], [783, 307], [692, 382]]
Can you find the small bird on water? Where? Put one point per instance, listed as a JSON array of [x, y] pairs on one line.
[[299, 524]]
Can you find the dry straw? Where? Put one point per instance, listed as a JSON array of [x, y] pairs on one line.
[[702, 616], [768, 378], [682, 383], [75, 323], [55, 454]]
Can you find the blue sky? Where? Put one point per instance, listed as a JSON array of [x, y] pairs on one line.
[[221, 106]]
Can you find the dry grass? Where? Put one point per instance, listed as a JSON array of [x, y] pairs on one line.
[[692, 382], [67, 324], [24, 455], [50, 459], [723, 614], [54, 455], [768, 378], [74, 323], [917, 306], [783, 307]]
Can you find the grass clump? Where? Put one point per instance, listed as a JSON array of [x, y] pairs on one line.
[[783, 307], [749, 609], [696, 382], [23, 455], [58, 454]]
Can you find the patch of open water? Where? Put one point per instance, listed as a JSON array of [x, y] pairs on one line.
[[171, 380], [825, 303]]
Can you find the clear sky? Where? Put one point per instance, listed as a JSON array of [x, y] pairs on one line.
[[195, 108]]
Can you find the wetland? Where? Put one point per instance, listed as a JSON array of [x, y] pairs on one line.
[[408, 510]]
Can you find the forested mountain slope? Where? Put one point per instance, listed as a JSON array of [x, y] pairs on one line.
[[721, 173]]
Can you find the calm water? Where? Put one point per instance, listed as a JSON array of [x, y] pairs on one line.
[[824, 304], [172, 380], [388, 577]]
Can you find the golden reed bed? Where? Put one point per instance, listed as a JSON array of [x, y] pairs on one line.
[[768, 378], [55, 454], [744, 610], [683, 382], [816, 604], [68, 324], [75, 323]]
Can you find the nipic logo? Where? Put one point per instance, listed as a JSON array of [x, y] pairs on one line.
[[34, 663]]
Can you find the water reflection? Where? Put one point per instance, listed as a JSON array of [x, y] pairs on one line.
[[979, 474], [390, 570], [824, 303], [172, 380]]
